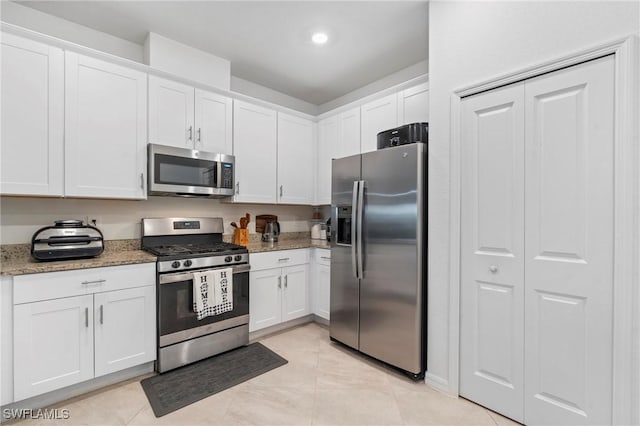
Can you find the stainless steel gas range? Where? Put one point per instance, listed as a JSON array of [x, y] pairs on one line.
[[185, 246]]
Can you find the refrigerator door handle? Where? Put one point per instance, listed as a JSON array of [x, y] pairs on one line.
[[359, 224], [354, 210]]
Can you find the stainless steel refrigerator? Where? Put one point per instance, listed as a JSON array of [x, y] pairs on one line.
[[378, 255]]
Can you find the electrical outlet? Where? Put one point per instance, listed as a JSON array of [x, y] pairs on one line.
[[92, 220]]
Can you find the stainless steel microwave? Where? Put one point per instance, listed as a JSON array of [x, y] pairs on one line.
[[187, 172]]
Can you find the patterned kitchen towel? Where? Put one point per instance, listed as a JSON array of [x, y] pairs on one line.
[[212, 292]]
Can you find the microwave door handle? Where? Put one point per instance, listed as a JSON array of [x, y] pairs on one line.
[[354, 208], [186, 276]]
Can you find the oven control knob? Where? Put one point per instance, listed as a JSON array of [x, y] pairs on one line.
[[187, 263], [238, 258], [175, 264], [228, 259]]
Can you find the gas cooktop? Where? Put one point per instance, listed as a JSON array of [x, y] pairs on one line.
[[213, 249]]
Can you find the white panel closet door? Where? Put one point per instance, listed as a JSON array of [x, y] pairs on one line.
[[492, 298], [569, 245]]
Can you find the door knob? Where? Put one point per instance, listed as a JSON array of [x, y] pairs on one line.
[[493, 269]]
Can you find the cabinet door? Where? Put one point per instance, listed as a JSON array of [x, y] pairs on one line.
[[569, 244], [265, 298], [326, 148], [349, 133], [53, 344], [322, 288], [377, 116], [213, 122], [295, 160], [125, 329], [105, 125], [492, 251], [6, 340], [32, 118], [295, 301], [413, 105], [254, 146], [171, 113]]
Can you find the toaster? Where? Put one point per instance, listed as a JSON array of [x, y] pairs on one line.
[[67, 239]]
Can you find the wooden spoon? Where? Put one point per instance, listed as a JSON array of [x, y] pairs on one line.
[[235, 225], [243, 223]]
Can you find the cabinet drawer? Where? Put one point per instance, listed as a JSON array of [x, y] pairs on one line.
[[278, 259], [54, 285], [322, 256]]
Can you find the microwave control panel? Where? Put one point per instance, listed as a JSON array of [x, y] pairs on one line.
[[227, 175]]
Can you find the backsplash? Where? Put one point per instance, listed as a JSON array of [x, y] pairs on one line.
[[120, 220]]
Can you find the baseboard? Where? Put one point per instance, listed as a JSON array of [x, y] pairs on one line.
[[259, 334], [438, 383], [53, 397], [320, 320]]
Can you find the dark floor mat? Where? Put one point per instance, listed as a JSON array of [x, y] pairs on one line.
[[178, 388]]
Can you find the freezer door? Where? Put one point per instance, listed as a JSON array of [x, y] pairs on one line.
[[393, 284], [344, 282]]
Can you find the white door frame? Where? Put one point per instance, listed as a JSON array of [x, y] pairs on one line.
[[626, 279]]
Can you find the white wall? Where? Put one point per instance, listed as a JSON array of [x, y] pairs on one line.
[[474, 41], [255, 90], [398, 77], [118, 219], [26, 17]]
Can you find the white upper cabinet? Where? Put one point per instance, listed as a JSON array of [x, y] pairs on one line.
[[184, 117], [213, 122], [349, 133], [377, 116], [295, 160], [170, 113], [105, 129], [326, 148], [254, 146], [413, 105], [32, 118]]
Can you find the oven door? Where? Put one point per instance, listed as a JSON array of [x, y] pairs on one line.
[[179, 171], [178, 322]]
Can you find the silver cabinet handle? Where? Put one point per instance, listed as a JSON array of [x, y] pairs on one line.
[[101, 314], [493, 269], [325, 257], [93, 282], [237, 187], [286, 280], [190, 133], [142, 181], [86, 317], [280, 191], [199, 133], [284, 259], [280, 282]]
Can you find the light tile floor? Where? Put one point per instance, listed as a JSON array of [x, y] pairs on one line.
[[323, 384]]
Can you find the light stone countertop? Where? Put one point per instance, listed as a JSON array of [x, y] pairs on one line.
[[17, 260]]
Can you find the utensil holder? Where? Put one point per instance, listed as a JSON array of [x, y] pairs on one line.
[[241, 237]]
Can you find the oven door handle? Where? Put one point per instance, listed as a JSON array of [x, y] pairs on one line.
[[186, 276]]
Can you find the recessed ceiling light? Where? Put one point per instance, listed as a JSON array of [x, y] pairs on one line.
[[319, 38]]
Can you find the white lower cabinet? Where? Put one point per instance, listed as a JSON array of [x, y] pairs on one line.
[[124, 329], [279, 293], [321, 282], [53, 344], [88, 330]]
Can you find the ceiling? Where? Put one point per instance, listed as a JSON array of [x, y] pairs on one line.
[[269, 42]]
